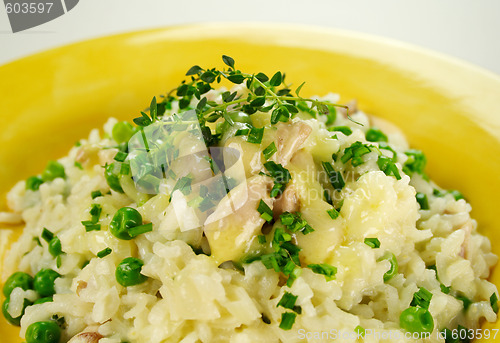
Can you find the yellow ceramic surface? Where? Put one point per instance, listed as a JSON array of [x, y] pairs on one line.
[[449, 109]]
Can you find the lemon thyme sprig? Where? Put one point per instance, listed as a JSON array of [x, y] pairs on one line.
[[264, 95]]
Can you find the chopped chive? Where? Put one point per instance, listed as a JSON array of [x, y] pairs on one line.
[[375, 135], [270, 262], [422, 201], [360, 331], [47, 235], [415, 163], [388, 166], [325, 269], [255, 135], [95, 194], [269, 151], [37, 241], [466, 301], [287, 218], [262, 239], [287, 320], [444, 289], [421, 298], [242, 132], [125, 169], [334, 177], [58, 261], [372, 242], [121, 156], [33, 183], [137, 230], [393, 269], [104, 252], [346, 130], [183, 185], [78, 165], [265, 211], [276, 190], [95, 212], [333, 213], [494, 302], [287, 301], [278, 172], [91, 226]]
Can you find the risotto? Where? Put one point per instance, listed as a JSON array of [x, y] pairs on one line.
[[244, 215]]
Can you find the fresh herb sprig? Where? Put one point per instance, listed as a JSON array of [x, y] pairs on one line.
[[264, 94]]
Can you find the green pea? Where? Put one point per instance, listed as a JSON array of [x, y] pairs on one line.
[[416, 319], [123, 220], [55, 247], [53, 170], [111, 172], [128, 272], [33, 183], [14, 321], [43, 300], [122, 132], [18, 279], [393, 270], [43, 332], [44, 282]]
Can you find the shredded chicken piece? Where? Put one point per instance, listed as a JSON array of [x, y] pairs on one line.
[[286, 202], [290, 138], [89, 335], [236, 221]]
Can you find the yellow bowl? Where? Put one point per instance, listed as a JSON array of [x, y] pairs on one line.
[[447, 108]]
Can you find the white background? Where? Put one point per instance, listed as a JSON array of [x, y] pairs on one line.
[[467, 29]]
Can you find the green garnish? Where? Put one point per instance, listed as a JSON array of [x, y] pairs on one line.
[[78, 165], [333, 213], [354, 153], [346, 130], [265, 211], [91, 226], [262, 239], [360, 331], [393, 270], [416, 162], [372, 242], [422, 201], [47, 235], [456, 194], [388, 166], [120, 156], [269, 151], [494, 302], [53, 170], [33, 183], [255, 135], [111, 172], [466, 301], [294, 223], [95, 212], [104, 252], [183, 185], [421, 298], [324, 269], [334, 177], [375, 135], [95, 194], [287, 301], [122, 132], [287, 320]]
